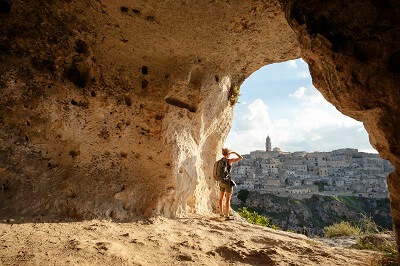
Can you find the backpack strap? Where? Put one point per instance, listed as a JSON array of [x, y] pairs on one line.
[[226, 169], [225, 164]]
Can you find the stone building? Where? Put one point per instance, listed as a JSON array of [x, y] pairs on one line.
[[339, 172]]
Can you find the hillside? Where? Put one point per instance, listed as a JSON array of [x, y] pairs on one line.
[[310, 216], [160, 241]]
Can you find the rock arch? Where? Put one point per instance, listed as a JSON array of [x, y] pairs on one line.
[[117, 109]]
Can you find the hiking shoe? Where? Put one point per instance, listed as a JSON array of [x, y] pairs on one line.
[[229, 218], [221, 215]]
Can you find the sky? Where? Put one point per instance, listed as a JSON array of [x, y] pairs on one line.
[[279, 100]]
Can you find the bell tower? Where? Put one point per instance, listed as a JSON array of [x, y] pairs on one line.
[[268, 144]]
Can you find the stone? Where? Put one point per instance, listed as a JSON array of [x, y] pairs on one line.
[[120, 111], [93, 53]]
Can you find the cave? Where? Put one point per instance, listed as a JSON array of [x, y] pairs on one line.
[[118, 109]]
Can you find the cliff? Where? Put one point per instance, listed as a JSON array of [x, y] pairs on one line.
[[310, 216], [118, 109]]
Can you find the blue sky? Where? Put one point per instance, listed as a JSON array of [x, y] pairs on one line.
[[279, 100]]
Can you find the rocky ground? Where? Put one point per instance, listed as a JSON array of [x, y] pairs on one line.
[[160, 241]]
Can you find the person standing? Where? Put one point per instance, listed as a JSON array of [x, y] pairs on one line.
[[225, 187]]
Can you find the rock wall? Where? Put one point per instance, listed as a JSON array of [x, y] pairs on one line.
[[118, 108], [353, 52]]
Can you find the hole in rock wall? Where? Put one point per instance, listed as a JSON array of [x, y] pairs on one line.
[[302, 155]]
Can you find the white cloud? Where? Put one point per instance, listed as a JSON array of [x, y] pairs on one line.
[[252, 123], [314, 125], [309, 96], [292, 63], [299, 93], [315, 137], [314, 112], [303, 74], [255, 115]]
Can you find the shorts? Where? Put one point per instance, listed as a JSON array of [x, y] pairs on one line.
[[225, 186]]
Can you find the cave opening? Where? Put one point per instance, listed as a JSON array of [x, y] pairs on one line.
[[280, 100], [298, 146]]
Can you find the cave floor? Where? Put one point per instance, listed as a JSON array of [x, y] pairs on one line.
[[195, 240]]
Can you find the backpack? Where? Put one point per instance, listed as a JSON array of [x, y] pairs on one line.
[[221, 172]]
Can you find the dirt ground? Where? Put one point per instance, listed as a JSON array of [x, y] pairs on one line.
[[160, 241]]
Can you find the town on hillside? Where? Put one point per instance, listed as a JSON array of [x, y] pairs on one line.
[[344, 172]]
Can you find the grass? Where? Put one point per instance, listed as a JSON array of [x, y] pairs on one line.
[[388, 251], [256, 218], [369, 226], [368, 236], [387, 258], [365, 227], [372, 239], [341, 229]]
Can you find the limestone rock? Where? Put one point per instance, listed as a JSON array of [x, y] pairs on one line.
[[112, 109], [193, 241], [119, 109]]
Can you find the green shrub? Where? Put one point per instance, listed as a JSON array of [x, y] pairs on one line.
[[233, 96], [341, 229], [256, 218]]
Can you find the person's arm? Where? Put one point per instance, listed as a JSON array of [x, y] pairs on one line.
[[239, 157]]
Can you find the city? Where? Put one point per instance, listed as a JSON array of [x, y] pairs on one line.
[[343, 172]]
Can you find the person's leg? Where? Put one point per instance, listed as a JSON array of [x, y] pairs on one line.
[[221, 197], [227, 203]]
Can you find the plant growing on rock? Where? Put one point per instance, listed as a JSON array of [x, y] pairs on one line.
[[256, 218], [234, 94]]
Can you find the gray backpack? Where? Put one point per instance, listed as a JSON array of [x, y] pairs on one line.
[[221, 172]]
